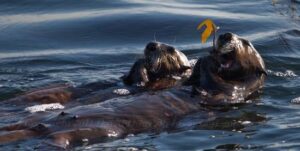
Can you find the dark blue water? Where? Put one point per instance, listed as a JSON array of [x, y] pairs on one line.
[[50, 41]]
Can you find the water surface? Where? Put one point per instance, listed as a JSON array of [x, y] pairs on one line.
[[49, 41]]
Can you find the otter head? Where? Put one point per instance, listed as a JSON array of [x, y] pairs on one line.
[[163, 59], [236, 56]]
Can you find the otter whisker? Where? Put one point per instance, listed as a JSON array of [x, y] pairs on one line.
[[159, 64], [214, 38], [174, 41]]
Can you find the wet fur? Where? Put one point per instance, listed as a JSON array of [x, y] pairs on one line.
[[148, 112]]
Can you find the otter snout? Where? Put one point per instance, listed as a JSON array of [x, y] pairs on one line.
[[157, 46], [225, 39], [153, 46], [226, 43], [225, 52], [226, 36]]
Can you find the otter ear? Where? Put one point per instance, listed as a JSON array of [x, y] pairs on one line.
[[262, 71], [261, 68], [265, 73], [183, 68], [245, 42]]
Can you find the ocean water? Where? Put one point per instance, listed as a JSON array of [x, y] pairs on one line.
[[47, 42]]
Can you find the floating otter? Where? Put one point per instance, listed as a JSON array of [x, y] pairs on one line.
[[161, 61], [234, 64], [158, 70]]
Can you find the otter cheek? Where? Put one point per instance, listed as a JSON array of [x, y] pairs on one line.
[[154, 63]]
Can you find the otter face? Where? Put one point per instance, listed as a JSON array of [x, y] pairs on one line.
[[160, 61], [162, 57], [233, 53], [232, 72], [226, 51]]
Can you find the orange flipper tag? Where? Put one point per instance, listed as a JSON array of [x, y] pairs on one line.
[[210, 27]]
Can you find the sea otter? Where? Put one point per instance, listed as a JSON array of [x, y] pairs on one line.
[[161, 61], [162, 67], [230, 74], [233, 66]]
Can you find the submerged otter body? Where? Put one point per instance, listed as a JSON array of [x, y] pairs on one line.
[[223, 77]]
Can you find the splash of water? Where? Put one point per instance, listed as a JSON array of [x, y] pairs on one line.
[[287, 73], [44, 107], [238, 94]]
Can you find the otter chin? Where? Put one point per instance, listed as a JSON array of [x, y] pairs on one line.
[[160, 61], [233, 64]]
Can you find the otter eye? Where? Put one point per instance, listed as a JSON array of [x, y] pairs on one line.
[[152, 46]]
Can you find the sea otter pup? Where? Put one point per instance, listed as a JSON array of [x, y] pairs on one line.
[[233, 68], [161, 61], [160, 68]]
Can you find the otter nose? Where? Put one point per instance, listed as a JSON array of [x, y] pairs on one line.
[[152, 46], [227, 36]]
